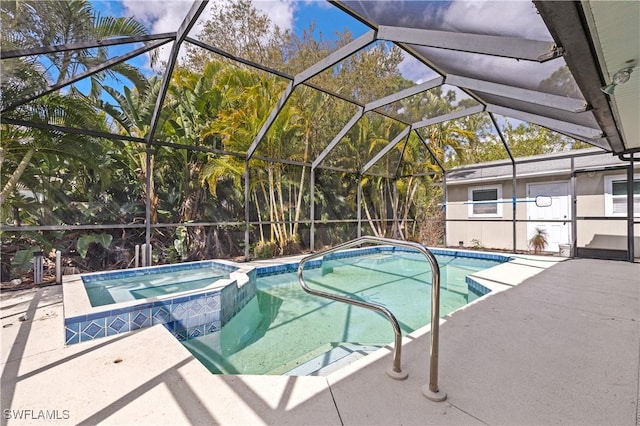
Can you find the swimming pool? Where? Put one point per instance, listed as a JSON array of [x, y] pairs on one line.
[[284, 330]]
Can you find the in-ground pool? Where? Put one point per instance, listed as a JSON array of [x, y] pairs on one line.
[[284, 330], [116, 287]]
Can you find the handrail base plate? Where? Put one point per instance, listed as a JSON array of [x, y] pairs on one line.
[[433, 396], [397, 375]]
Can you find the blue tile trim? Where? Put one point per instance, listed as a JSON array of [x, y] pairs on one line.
[[148, 270], [185, 317], [475, 287], [72, 333], [316, 263]]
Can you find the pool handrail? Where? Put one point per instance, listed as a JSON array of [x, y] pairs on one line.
[[430, 391]]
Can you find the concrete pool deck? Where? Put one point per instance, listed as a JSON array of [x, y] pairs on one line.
[[561, 346]]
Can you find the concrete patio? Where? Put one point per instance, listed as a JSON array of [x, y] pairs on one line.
[[560, 345]]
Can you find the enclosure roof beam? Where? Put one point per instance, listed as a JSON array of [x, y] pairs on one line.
[[403, 134], [357, 116], [166, 78], [337, 169], [450, 116], [353, 102], [63, 129], [337, 56], [284, 75], [113, 136], [527, 160], [501, 136], [281, 161], [526, 95], [315, 69], [87, 73], [83, 45], [508, 47], [238, 59], [404, 94], [600, 142], [188, 22], [561, 126], [271, 119], [433, 155]]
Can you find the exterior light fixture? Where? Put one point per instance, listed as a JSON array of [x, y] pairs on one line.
[[620, 77]]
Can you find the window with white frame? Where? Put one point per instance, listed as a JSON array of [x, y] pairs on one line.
[[484, 201], [615, 197]]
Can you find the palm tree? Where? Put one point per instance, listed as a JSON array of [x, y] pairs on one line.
[[248, 100], [20, 145], [36, 24], [539, 240], [50, 23], [131, 116]]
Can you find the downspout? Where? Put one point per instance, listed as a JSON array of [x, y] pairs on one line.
[[630, 212]]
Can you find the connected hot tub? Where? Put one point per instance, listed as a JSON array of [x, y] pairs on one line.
[[190, 299]]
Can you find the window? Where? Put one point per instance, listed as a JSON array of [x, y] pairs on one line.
[[616, 195], [480, 201]]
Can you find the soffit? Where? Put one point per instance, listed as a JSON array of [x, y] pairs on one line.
[[615, 29]]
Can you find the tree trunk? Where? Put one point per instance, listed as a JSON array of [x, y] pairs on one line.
[[301, 193], [283, 225], [260, 225], [15, 177], [376, 232], [413, 187]]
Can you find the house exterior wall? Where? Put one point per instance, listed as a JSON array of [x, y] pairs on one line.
[[478, 231], [590, 202]]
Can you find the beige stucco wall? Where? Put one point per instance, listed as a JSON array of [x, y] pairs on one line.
[[590, 201]]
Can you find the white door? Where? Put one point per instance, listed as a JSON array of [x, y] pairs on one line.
[[557, 232]]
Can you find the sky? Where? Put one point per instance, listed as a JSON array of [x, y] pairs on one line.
[[505, 17], [160, 16]]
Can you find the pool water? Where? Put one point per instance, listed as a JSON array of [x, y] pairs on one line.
[[284, 327], [118, 290]]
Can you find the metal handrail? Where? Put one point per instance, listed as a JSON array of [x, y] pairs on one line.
[[431, 391]]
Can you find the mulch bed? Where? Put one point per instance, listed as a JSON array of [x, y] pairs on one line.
[[26, 283]]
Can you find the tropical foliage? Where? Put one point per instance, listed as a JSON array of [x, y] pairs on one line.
[[193, 177]]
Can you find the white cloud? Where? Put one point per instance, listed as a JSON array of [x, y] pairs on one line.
[[162, 16], [510, 18], [414, 70], [281, 12], [159, 17]]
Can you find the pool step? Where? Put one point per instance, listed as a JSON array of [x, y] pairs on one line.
[[339, 356]]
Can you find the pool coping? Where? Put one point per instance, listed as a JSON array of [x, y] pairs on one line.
[[159, 382], [186, 314]]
